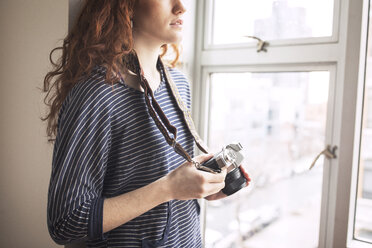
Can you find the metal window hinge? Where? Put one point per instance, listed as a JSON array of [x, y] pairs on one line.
[[329, 152]]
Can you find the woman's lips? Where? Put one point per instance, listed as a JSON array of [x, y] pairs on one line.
[[177, 23]]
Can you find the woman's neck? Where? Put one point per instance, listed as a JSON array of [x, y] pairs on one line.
[[148, 57]]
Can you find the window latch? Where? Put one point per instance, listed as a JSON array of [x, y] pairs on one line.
[[329, 152], [261, 44]]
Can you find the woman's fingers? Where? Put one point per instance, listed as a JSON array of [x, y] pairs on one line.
[[217, 196], [245, 174], [214, 177], [213, 188], [190, 183]]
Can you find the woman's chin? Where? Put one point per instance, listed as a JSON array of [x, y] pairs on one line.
[[175, 38]]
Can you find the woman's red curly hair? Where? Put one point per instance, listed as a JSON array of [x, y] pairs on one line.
[[102, 35]]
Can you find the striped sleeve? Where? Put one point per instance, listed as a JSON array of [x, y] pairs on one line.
[[80, 155]]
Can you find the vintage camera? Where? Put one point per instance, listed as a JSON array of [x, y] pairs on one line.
[[230, 157]]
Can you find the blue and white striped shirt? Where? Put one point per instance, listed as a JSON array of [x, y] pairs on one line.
[[107, 144]]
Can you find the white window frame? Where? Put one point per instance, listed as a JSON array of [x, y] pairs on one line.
[[340, 55], [351, 241], [207, 41]]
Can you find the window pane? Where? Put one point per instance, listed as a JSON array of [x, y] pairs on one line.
[[279, 118], [270, 20], [363, 214]]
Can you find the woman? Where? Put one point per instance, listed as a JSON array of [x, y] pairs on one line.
[[115, 181]]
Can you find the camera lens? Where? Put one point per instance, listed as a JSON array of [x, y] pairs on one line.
[[234, 181]]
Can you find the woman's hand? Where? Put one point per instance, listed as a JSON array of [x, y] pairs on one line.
[[245, 174], [220, 194], [186, 182]]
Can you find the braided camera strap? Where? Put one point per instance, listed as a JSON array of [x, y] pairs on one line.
[[155, 110], [185, 111]]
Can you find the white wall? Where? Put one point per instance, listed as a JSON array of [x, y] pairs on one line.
[[28, 31], [188, 41]]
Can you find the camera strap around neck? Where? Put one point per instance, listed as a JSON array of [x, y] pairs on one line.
[[155, 110]]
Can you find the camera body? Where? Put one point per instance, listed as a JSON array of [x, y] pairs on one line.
[[229, 157]]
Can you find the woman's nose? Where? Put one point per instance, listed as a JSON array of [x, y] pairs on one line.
[[179, 8]]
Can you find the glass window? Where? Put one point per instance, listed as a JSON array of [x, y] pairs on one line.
[[280, 120], [270, 20], [363, 209]]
